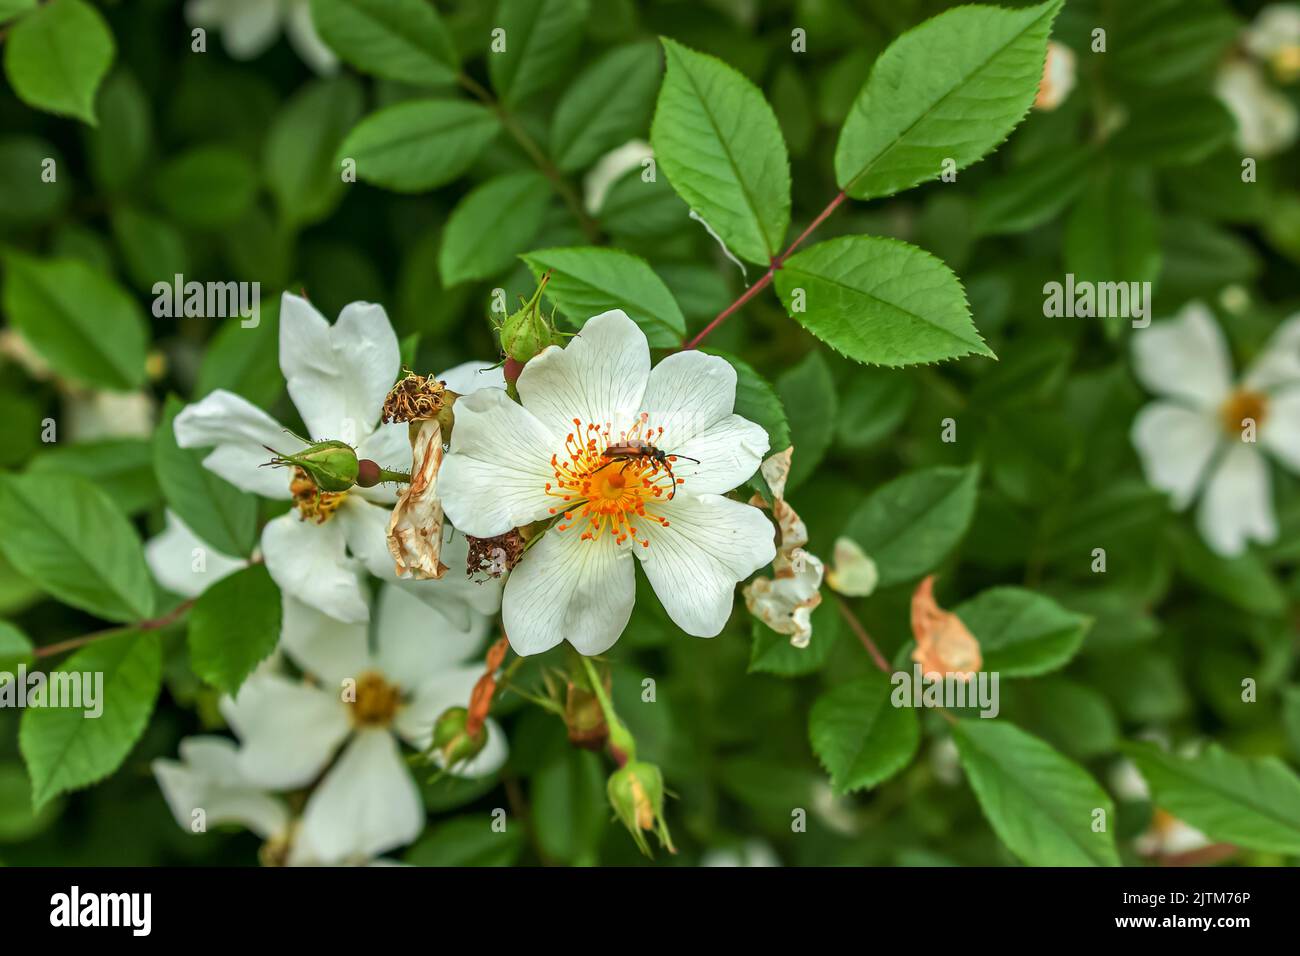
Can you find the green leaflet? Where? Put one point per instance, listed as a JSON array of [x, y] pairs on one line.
[[420, 144], [491, 225], [860, 737], [234, 626], [401, 40], [57, 55], [948, 90]]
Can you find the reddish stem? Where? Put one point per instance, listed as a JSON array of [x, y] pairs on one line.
[[154, 624], [876, 657], [766, 279]]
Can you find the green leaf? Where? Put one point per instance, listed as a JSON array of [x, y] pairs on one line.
[[909, 525], [541, 40], [25, 198], [609, 103], [950, 89], [118, 147], [879, 301], [301, 145], [417, 145], [18, 820], [1244, 580], [637, 208], [1028, 195], [1021, 633], [78, 319], [859, 736], [245, 361], [876, 402], [1253, 802], [401, 40], [1040, 804], [469, 840], [569, 806], [64, 749], [57, 55], [12, 9], [1174, 130], [772, 653], [66, 535], [121, 467], [234, 626], [208, 187], [220, 514], [719, 143], [1112, 234], [808, 394], [15, 648], [493, 223], [153, 249], [1069, 715], [1162, 42], [587, 280]]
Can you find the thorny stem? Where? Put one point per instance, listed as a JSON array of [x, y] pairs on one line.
[[766, 279], [547, 168], [153, 624]]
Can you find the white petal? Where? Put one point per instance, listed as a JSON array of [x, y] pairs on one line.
[[328, 649], [289, 730], [248, 27], [415, 641], [207, 778], [239, 434], [309, 561], [1238, 505], [495, 476], [471, 376], [367, 803], [687, 393], [456, 596], [567, 589], [709, 545], [728, 453], [1279, 362], [183, 563], [1175, 444], [1184, 357], [1280, 432], [338, 375], [306, 41], [599, 377], [365, 526], [390, 446]]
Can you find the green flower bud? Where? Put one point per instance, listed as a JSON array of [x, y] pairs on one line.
[[332, 465], [453, 740], [527, 332], [636, 791]]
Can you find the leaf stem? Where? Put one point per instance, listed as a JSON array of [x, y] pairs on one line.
[[547, 168], [153, 624], [855, 625], [766, 279]]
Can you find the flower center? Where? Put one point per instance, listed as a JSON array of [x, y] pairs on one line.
[[611, 483], [312, 503], [376, 702], [1241, 405]]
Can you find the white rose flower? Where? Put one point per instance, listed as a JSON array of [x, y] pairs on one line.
[[359, 705], [1058, 77], [1192, 439], [338, 377], [249, 28], [1267, 121], [1274, 38], [544, 458]]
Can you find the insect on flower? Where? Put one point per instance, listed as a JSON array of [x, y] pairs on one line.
[[636, 449]]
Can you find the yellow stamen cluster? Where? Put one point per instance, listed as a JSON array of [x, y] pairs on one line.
[[312, 503], [601, 491], [376, 701], [1241, 405]]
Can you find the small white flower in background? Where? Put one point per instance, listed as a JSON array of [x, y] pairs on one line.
[[514, 464], [1058, 77], [609, 169], [1274, 38], [785, 601], [249, 28], [184, 563], [753, 852], [1166, 835], [357, 706], [1193, 438], [852, 572], [338, 377], [1267, 121]]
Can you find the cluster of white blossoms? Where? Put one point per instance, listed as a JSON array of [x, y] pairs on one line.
[[600, 458], [1207, 434], [1267, 120]]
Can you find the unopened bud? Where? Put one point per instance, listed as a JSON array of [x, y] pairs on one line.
[[369, 473], [332, 465], [452, 740], [636, 791], [527, 332]]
